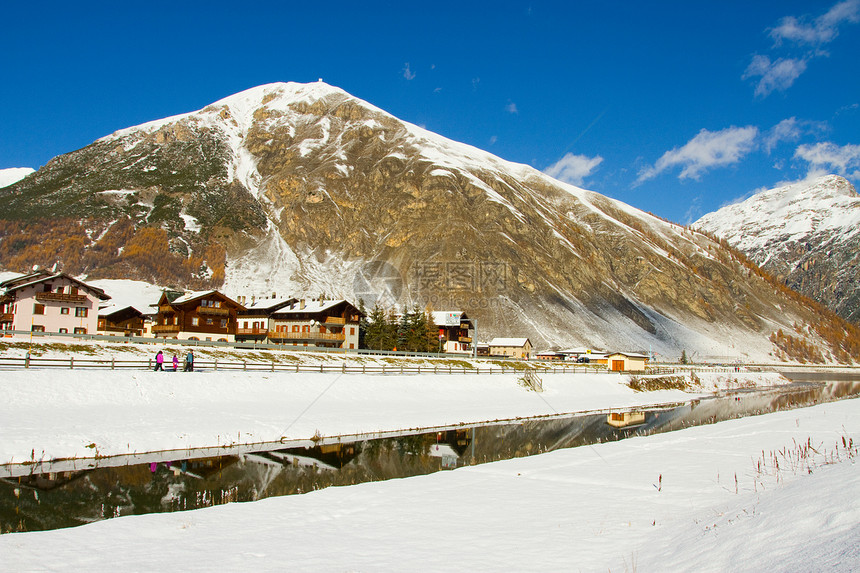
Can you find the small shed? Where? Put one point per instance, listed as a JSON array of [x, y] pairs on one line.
[[626, 361]]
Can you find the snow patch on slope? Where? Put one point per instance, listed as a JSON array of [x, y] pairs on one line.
[[13, 175], [827, 205]]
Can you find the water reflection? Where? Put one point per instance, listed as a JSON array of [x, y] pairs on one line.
[[57, 497]]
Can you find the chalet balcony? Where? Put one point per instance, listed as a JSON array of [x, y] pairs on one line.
[[258, 331], [165, 329], [212, 311], [309, 336], [465, 339], [165, 308], [335, 320], [60, 297], [7, 317]]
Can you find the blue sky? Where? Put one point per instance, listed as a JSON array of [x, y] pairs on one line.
[[676, 108]]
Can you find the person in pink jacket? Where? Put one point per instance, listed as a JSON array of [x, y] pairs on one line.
[[159, 361], [175, 363]]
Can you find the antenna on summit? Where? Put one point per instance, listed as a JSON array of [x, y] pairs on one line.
[[319, 80]]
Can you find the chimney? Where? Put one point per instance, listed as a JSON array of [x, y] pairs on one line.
[[302, 304]]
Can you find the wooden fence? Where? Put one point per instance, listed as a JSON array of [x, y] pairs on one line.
[[76, 363]]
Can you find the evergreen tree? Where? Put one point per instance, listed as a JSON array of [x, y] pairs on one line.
[[683, 359], [403, 330], [362, 325], [377, 325]]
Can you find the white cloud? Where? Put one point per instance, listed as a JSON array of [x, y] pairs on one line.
[[780, 74], [844, 160], [820, 31], [511, 107], [790, 129], [707, 150], [775, 76], [407, 73], [573, 169]]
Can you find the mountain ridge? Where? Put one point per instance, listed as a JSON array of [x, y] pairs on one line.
[[302, 188], [806, 233]]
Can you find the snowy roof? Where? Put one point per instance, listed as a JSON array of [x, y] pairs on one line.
[[43, 276], [628, 354], [448, 317], [192, 296], [269, 304], [518, 342], [313, 306]]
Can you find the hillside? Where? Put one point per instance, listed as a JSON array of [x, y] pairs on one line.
[[302, 188], [806, 234]]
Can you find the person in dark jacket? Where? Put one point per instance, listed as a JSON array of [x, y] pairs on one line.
[[189, 362]]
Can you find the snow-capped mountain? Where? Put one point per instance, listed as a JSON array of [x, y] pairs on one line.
[[304, 189], [13, 175], [806, 234]]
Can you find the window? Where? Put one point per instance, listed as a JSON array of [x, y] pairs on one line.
[[64, 331], [64, 310], [38, 309], [223, 323], [37, 328], [46, 288], [81, 312], [74, 290], [295, 328], [351, 330], [246, 324], [79, 330], [209, 321], [195, 321]]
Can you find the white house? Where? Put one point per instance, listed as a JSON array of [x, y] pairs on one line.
[[44, 301], [511, 347]]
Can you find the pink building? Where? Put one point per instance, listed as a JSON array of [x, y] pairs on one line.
[[43, 301]]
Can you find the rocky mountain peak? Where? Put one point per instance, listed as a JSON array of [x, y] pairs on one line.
[[302, 188], [806, 233]]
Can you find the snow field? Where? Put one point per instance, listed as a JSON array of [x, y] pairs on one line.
[[666, 502]]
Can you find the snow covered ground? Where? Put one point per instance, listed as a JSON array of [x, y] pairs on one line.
[[708, 498], [52, 414]]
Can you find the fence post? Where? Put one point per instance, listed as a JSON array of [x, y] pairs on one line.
[[244, 365], [216, 364], [112, 364], [321, 368], [273, 365], [71, 363]]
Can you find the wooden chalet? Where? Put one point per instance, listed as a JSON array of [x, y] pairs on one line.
[[255, 320], [454, 329], [325, 323], [116, 321], [205, 315]]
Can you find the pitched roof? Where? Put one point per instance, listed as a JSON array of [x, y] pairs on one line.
[[517, 342], [43, 276], [269, 304]]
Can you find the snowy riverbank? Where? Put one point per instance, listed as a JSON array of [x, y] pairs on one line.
[[52, 414], [692, 500]]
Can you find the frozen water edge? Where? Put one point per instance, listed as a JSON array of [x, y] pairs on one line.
[[109, 413], [686, 500]]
